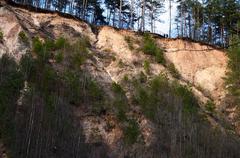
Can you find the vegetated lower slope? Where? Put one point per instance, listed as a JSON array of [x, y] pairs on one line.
[[66, 92]]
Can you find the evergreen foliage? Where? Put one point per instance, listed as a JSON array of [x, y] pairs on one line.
[[211, 21], [176, 114], [146, 66], [23, 37], [150, 47], [11, 82], [131, 132], [1, 36], [233, 76], [171, 68]]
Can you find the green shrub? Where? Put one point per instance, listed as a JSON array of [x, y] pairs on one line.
[[150, 47], [1, 36], [43, 50], [37, 45], [233, 76], [129, 41], [146, 66], [159, 56], [59, 57], [120, 63], [49, 101], [142, 77], [49, 45], [73, 86], [48, 78], [120, 102], [28, 67], [121, 116], [60, 43], [188, 98], [94, 90], [117, 88], [78, 59], [160, 94], [172, 69], [79, 52], [210, 106], [11, 83], [125, 78], [23, 37], [131, 132]]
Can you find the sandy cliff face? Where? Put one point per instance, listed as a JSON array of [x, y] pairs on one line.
[[14, 20], [201, 67], [198, 64], [10, 27]]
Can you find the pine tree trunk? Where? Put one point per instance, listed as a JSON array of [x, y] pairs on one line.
[[131, 16], [181, 20], [120, 15], [170, 18], [143, 15], [151, 16], [189, 26]]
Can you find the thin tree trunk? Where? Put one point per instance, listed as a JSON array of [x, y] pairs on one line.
[[170, 18], [120, 15], [151, 16], [189, 26], [181, 20], [143, 16], [131, 16], [114, 17]]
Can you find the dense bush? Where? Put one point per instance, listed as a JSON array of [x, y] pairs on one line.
[[59, 57], [120, 102], [23, 37], [233, 76], [210, 106], [174, 72], [28, 67], [60, 43], [117, 88], [175, 112], [79, 52], [1, 36], [131, 132], [50, 95], [146, 66], [150, 96], [11, 82], [190, 103], [150, 47], [130, 42], [42, 49]]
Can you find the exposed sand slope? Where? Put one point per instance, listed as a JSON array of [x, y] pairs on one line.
[[10, 28], [201, 65]]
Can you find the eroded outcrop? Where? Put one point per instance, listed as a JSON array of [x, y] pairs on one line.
[[200, 66]]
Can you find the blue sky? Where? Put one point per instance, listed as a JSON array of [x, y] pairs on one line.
[[164, 25]]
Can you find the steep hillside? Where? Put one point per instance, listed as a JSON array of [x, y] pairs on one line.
[[82, 91]]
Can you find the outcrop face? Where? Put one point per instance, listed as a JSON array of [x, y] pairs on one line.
[[50, 25], [199, 64], [11, 27], [201, 67]]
